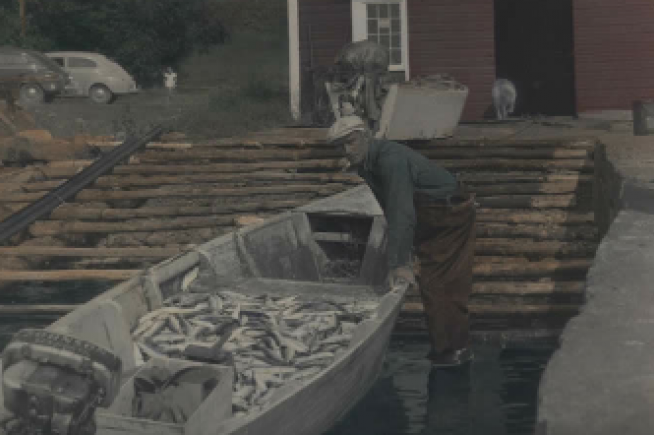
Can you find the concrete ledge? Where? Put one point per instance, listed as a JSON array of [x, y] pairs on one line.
[[601, 379]]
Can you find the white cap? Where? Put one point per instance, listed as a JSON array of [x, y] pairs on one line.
[[344, 126]]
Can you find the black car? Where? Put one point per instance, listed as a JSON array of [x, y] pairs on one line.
[[30, 75]]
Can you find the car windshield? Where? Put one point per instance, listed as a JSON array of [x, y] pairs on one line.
[[48, 62]]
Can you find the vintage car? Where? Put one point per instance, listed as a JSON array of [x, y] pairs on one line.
[[94, 76], [30, 75]]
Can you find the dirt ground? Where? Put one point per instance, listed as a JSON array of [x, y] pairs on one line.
[[65, 117]]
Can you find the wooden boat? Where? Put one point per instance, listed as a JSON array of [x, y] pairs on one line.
[[284, 255]]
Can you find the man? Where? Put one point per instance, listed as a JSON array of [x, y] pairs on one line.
[[424, 205]]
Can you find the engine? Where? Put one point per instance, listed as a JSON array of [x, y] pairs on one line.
[[52, 383]]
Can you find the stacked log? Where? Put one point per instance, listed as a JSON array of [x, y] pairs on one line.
[[535, 234]]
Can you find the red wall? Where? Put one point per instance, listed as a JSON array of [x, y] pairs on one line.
[[455, 37], [614, 53], [446, 36]]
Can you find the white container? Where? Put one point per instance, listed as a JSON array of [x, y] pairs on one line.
[[416, 111]]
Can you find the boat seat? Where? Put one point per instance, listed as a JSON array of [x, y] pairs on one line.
[[104, 325]]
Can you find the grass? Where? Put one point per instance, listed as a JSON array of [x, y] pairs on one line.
[[239, 87]]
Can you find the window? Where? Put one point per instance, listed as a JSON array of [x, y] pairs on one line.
[[59, 61], [80, 62], [383, 22]]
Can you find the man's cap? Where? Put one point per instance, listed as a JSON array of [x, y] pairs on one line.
[[344, 126]]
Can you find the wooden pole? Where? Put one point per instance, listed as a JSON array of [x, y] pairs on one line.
[[23, 19], [35, 310], [532, 269], [50, 251], [504, 310], [66, 275]]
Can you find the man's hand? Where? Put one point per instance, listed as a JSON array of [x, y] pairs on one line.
[[399, 275]]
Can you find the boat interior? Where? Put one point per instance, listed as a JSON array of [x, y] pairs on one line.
[[332, 249]]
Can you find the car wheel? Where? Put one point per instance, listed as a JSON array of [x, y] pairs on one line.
[[32, 93], [101, 94]]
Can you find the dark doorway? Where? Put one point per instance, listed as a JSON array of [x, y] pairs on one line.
[[534, 49]]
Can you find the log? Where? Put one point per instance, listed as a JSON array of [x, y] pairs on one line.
[[532, 248], [537, 232], [328, 164], [557, 187], [137, 180], [522, 288], [570, 142], [50, 251], [66, 275], [529, 288], [55, 227], [35, 310], [185, 191], [543, 152], [76, 211], [529, 201], [545, 268], [585, 165], [505, 310], [551, 217], [156, 145], [478, 177], [162, 238], [245, 155]]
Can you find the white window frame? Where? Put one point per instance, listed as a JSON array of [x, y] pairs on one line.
[[360, 28]]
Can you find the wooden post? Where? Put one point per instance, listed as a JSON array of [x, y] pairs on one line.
[[23, 19]]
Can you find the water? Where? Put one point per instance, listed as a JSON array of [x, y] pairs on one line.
[[495, 395]]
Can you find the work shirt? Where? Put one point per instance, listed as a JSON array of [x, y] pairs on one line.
[[394, 173]]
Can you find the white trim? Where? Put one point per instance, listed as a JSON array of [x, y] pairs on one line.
[[294, 58], [360, 32]]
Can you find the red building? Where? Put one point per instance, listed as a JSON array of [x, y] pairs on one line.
[[565, 56]]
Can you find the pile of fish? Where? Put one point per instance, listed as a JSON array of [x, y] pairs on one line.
[[270, 340]]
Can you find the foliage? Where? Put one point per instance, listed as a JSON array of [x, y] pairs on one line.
[[142, 35]]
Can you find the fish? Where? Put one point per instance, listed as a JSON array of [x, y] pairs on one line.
[[189, 278], [272, 340]]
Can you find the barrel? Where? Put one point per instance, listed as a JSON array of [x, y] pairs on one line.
[[643, 113]]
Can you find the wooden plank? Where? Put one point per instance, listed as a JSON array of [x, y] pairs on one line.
[[49, 251], [66, 275], [481, 177]]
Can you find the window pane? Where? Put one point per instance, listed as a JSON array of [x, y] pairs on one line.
[[395, 26], [59, 60], [396, 57], [383, 11], [373, 38], [395, 40], [80, 62], [372, 11], [384, 40], [384, 30], [372, 26], [395, 10]]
